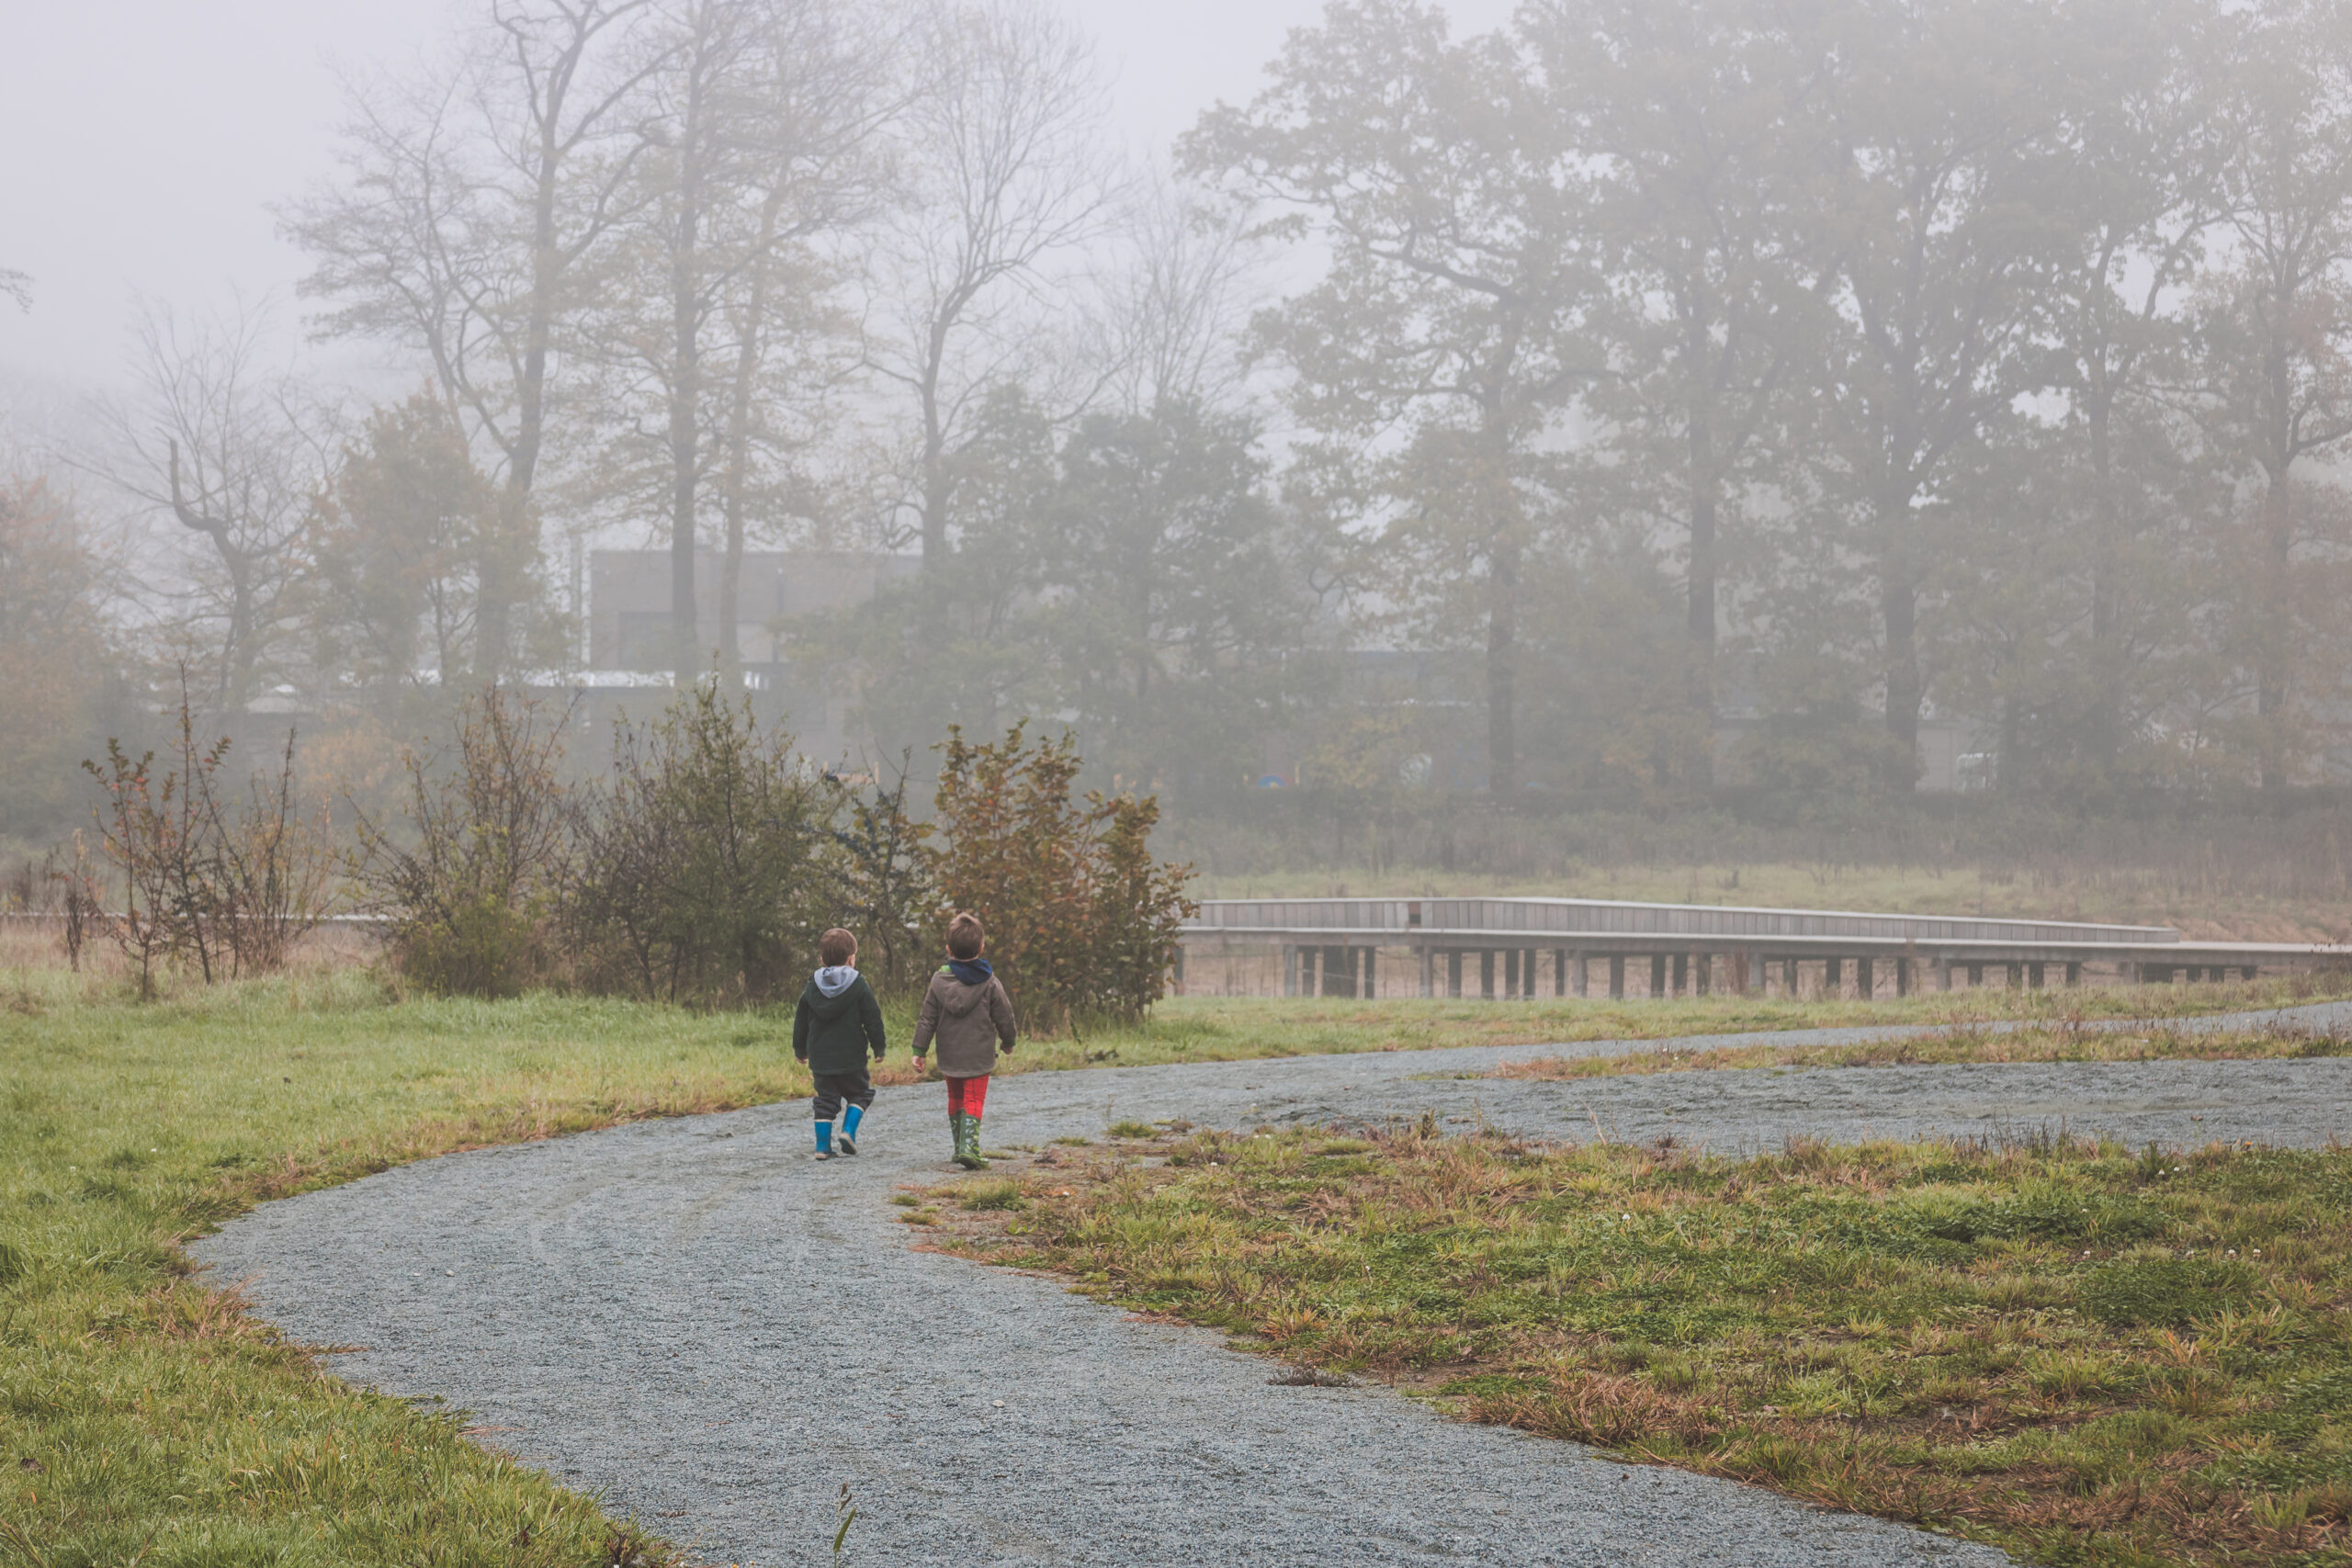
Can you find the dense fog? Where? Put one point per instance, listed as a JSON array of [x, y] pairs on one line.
[[1625, 404]]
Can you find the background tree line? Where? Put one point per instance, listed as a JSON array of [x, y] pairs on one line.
[[1834, 366]]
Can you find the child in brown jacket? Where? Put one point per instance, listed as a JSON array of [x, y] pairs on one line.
[[966, 1011]]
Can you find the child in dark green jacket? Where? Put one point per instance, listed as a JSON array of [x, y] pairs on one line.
[[837, 1022]]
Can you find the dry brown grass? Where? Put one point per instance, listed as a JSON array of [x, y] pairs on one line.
[[2088, 1356]]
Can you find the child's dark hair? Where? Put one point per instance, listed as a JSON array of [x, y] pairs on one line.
[[836, 947], [964, 935]]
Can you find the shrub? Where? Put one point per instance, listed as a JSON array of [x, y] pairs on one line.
[[68, 892], [1081, 921], [148, 827], [711, 865], [271, 868], [887, 889], [469, 903], [231, 883]]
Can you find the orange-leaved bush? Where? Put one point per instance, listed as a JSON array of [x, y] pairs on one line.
[[1081, 921]]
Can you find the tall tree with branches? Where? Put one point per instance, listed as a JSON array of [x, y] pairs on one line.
[[720, 338], [2273, 351], [233, 452], [1688, 123], [1450, 320], [473, 208], [1005, 171]]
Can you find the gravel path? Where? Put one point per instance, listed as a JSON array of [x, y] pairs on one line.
[[696, 1320]]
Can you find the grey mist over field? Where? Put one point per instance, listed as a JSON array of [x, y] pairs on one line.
[[1394, 434]]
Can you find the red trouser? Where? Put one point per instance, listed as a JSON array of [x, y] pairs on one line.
[[966, 1096]]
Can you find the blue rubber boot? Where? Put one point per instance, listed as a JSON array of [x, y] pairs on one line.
[[853, 1117], [824, 1140]]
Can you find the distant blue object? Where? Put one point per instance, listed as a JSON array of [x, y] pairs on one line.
[[1273, 781]]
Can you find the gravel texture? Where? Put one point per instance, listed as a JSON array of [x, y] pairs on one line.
[[698, 1322]]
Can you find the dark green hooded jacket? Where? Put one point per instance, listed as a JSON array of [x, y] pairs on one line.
[[833, 1033]]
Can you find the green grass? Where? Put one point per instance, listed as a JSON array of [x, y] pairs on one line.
[[1227, 1029], [143, 1411], [2088, 1356], [142, 1414]]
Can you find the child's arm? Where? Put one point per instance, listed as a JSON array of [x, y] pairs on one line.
[[869, 1014], [926, 1021], [1000, 1014], [801, 1028]]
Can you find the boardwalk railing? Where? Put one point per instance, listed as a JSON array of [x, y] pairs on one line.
[[1524, 947]]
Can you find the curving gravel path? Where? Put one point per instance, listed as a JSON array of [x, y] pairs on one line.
[[696, 1320]]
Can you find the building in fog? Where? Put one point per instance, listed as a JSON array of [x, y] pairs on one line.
[[628, 631]]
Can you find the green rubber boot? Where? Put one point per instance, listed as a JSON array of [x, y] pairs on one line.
[[968, 1143]]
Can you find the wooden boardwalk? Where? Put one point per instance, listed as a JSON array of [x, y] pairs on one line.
[[1530, 947]]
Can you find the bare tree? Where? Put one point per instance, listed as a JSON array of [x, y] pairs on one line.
[[234, 453], [465, 226], [708, 41], [827, 86], [763, 119], [1007, 169], [1175, 303]]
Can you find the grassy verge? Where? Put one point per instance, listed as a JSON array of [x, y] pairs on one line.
[[144, 1415], [2084, 1355], [2028, 1044]]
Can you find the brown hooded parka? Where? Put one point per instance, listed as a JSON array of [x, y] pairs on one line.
[[968, 1021]]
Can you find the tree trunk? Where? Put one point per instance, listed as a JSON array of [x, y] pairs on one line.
[[934, 450], [506, 546], [685, 384], [738, 472], [1502, 669], [1899, 609], [1700, 627], [237, 653], [2271, 638], [2101, 731], [237, 675], [685, 455], [2010, 774]]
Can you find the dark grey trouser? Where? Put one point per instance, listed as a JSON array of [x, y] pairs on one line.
[[856, 1087]]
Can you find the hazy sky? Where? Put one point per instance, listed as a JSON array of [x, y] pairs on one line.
[[147, 138]]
